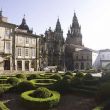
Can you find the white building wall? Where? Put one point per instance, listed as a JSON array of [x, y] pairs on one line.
[[102, 59]]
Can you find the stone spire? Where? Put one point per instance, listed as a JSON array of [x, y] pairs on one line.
[[23, 25], [24, 20], [75, 21], [1, 12], [58, 25]]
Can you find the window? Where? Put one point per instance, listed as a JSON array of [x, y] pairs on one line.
[[19, 51], [26, 52], [19, 65], [33, 52], [7, 32], [7, 45], [27, 40], [33, 41]]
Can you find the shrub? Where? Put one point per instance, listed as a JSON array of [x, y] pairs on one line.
[[65, 83], [57, 77], [105, 77], [88, 77], [22, 76], [24, 86], [69, 73], [1, 91], [2, 106], [43, 82], [3, 81], [44, 103], [79, 75], [103, 92], [32, 76], [41, 92], [13, 81]]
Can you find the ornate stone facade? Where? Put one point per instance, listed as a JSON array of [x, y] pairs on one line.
[[20, 49], [19, 46], [53, 51], [77, 57]]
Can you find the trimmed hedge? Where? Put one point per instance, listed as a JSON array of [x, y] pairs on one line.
[[43, 82], [88, 76], [2, 106], [41, 92], [13, 81], [24, 86], [79, 75], [103, 93], [69, 73], [44, 103], [3, 81], [22, 76], [57, 77], [32, 76]]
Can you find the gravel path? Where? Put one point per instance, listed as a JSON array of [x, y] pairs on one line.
[[68, 102]]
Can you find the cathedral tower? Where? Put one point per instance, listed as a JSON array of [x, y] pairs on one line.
[[74, 35], [54, 42]]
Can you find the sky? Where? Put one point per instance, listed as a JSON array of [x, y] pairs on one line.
[[93, 16]]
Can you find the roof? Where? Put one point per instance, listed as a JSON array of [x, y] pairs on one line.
[[104, 50], [10, 24], [79, 47]]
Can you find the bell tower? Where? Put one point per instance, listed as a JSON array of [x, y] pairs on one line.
[[74, 35]]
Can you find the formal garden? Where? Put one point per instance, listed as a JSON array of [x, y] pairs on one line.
[[55, 91]]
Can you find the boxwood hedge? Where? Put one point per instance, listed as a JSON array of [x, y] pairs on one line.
[[2, 106], [43, 82], [44, 103]]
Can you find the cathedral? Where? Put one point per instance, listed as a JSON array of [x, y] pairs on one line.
[[77, 57], [22, 50], [70, 54], [53, 47]]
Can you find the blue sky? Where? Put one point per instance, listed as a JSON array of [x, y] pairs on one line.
[[93, 16]]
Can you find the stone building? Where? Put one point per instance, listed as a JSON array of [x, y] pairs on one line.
[[20, 49], [53, 50], [18, 46], [76, 55], [103, 59], [25, 48], [6, 40]]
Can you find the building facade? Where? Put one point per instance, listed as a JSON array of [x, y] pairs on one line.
[[22, 50], [103, 59], [77, 57], [18, 50], [52, 49]]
